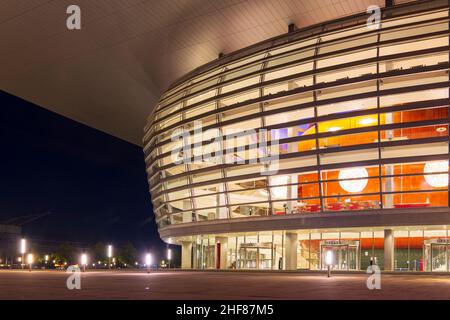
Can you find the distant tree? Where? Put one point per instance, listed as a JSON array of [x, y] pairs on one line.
[[99, 252], [127, 254], [65, 253]]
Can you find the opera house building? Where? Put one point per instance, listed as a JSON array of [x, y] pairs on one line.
[[331, 138]]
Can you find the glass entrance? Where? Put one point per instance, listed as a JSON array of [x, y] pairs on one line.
[[436, 255], [345, 254], [255, 256]]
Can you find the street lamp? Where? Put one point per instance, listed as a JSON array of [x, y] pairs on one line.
[[30, 260], [148, 261], [84, 261], [109, 256], [23, 249], [169, 256], [46, 260], [329, 262]]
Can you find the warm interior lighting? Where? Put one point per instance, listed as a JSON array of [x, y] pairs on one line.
[[366, 121], [353, 185], [334, 129], [436, 180]]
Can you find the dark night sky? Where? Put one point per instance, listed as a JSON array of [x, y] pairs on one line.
[[94, 185]]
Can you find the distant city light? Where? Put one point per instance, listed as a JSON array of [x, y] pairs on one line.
[[46, 258], [30, 258]]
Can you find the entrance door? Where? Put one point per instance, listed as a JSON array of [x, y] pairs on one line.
[[345, 255], [438, 257]]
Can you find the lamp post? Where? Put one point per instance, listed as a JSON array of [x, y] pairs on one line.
[[109, 256], [45, 261], [30, 260], [23, 249], [148, 261], [169, 256], [84, 261], [329, 262]]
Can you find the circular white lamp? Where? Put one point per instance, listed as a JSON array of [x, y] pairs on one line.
[[436, 180], [353, 186]]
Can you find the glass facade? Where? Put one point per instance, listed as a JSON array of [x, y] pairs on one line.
[[416, 249], [358, 118]]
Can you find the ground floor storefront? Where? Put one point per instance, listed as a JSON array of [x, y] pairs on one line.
[[425, 248]]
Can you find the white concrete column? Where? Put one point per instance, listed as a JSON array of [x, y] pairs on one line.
[[291, 245], [220, 200], [186, 255], [223, 251], [187, 216], [389, 250]]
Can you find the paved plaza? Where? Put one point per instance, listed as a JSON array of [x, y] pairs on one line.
[[218, 285]]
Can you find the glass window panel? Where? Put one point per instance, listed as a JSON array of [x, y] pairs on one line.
[[288, 71], [347, 90], [193, 112], [294, 46], [240, 84], [211, 175], [346, 73], [344, 33], [240, 112], [201, 97], [415, 62], [414, 18], [242, 72], [348, 44], [178, 182], [414, 150], [241, 97], [244, 211], [288, 101], [291, 58], [241, 170], [349, 156], [289, 85], [414, 46], [413, 96], [246, 60], [290, 116], [347, 58], [257, 182], [414, 31], [414, 80], [416, 199], [347, 106], [349, 140], [248, 196]]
